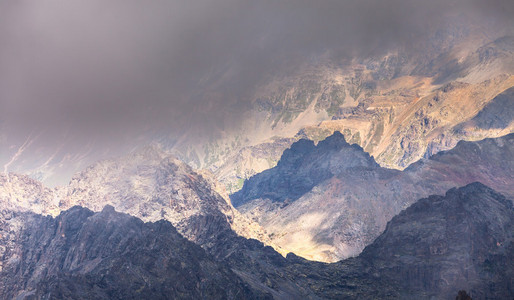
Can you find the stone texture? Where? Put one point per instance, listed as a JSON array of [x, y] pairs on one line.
[[107, 255]]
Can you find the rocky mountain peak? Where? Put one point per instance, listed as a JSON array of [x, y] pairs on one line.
[[303, 166], [459, 236], [339, 215], [336, 141]]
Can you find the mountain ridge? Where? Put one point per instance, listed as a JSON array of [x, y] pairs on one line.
[[460, 240], [340, 215], [105, 255]]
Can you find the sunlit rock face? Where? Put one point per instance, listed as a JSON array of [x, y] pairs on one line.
[[335, 209], [400, 107], [149, 184], [22, 193], [153, 185]]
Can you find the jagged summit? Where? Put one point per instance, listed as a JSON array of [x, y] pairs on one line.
[[336, 141], [303, 166]]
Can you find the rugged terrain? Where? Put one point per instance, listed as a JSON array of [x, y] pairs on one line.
[[107, 255], [148, 183], [359, 165], [436, 247], [431, 250], [399, 108], [153, 185], [328, 201]]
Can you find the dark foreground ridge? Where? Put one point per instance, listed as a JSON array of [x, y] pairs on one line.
[[441, 244], [107, 255], [436, 247]]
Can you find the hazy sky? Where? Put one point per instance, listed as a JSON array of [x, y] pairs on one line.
[[99, 69]]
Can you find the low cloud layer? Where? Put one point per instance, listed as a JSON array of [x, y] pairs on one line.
[[100, 69]]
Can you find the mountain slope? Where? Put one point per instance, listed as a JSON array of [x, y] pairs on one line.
[[399, 107], [107, 255], [339, 216], [463, 239], [439, 245], [433, 249], [153, 185]]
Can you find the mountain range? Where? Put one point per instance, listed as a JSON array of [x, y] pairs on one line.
[[437, 246], [399, 107], [328, 201], [362, 176]]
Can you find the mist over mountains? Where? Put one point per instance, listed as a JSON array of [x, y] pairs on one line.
[[86, 81], [256, 149]]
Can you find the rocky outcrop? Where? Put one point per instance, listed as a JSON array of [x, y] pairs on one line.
[[433, 249], [440, 244], [107, 255], [302, 167], [338, 216]]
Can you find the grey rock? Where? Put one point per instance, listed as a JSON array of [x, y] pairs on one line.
[[108, 255]]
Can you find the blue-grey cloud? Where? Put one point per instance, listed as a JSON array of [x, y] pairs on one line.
[[110, 70]]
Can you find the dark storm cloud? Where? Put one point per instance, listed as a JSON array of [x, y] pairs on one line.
[[101, 68]]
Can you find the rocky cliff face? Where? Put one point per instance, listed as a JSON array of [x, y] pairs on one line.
[[107, 255], [462, 239], [348, 208], [436, 247]]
